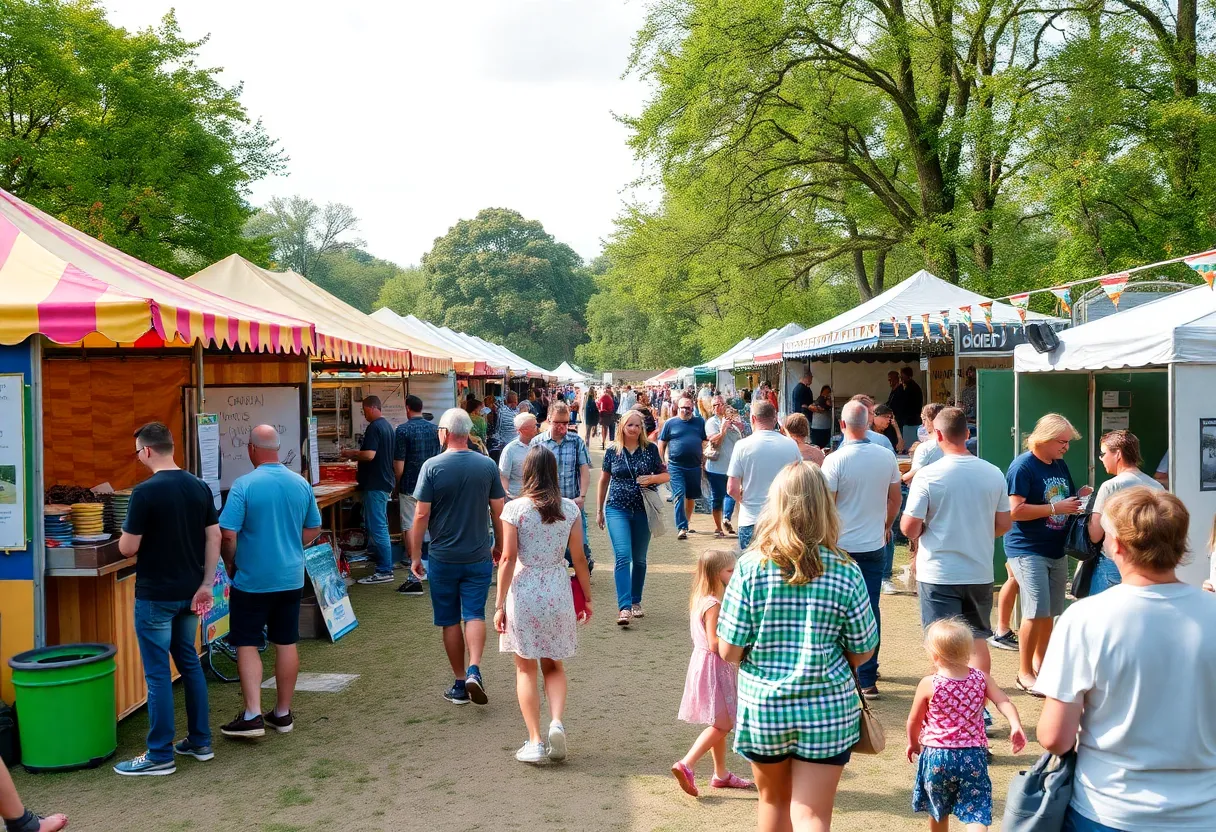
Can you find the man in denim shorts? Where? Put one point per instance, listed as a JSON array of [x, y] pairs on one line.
[[459, 494]]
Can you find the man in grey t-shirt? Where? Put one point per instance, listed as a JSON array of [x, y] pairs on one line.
[[459, 496]]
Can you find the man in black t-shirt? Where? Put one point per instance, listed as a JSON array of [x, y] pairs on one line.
[[376, 480], [913, 401], [802, 397], [173, 527]]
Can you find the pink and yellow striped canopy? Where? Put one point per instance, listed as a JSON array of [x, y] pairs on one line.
[[59, 282]]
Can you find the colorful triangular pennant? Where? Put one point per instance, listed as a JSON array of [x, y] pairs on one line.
[[924, 326], [1021, 302], [1113, 286], [1064, 297], [986, 308], [1205, 264], [964, 317]]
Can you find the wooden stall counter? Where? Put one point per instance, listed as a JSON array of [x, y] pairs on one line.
[[96, 603]]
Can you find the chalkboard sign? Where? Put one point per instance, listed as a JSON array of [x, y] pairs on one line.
[[241, 409]]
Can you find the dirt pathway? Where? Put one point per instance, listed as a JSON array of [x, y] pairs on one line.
[[390, 754]]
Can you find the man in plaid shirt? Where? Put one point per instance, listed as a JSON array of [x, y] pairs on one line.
[[573, 464], [416, 441]]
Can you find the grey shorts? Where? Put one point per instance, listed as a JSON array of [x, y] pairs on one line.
[[1041, 582], [970, 602]]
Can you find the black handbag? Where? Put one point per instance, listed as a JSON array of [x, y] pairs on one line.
[[1039, 797], [1076, 534]]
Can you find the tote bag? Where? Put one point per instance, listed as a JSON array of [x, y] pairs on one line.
[[873, 738], [653, 503], [1038, 799]]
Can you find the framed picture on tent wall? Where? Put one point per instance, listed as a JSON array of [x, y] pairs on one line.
[[1207, 454]]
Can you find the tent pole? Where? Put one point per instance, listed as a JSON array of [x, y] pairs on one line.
[[1017, 421], [198, 371], [1093, 426], [1173, 428], [38, 533], [957, 332]]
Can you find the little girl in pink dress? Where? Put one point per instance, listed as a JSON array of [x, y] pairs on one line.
[[710, 687]]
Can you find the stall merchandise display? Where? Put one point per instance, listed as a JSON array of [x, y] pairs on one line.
[[116, 510], [88, 522], [58, 522]]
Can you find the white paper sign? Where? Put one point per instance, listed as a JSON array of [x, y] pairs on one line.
[[209, 452], [314, 455], [241, 409], [1110, 398], [392, 401], [12, 461], [1115, 419]]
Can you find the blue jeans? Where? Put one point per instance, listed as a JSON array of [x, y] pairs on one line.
[[1106, 575], [719, 500], [1074, 821], [680, 491], [629, 534], [745, 537], [166, 628], [586, 543], [375, 520], [872, 564]]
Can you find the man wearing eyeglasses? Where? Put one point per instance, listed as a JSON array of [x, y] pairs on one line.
[[573, 464], [172, 525], [681, 444]]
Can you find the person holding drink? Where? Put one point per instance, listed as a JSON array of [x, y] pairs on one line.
[[1041, 497]]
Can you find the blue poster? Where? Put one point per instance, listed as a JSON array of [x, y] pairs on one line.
[[322, 568]]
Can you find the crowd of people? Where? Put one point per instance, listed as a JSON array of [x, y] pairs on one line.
[[785, 624]]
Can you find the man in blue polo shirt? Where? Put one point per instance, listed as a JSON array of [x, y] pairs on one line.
[[681, 444], [271, 514]]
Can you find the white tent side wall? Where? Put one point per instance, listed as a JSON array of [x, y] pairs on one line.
[[1198, 401]]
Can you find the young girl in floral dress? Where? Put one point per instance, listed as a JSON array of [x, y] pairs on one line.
[[946, 728], [709, 688]]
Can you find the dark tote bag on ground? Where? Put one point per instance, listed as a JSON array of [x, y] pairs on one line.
[[1038, 799]]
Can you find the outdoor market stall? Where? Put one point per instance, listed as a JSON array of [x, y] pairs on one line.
[[914, 323], [96, 344], [720, 371], [761, 360], [1150, 370]]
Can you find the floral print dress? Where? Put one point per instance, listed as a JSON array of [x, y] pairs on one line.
[[540, 604]]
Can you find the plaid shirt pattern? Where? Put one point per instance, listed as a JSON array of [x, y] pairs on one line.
[[506, 424], [571, 455], [796, 691], [415, 441]]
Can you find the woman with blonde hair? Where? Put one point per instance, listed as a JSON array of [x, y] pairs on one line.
[[1041, 497], [798, 617], [631, 463], [798, 428]]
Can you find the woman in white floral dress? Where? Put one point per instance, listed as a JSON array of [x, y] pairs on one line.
[[534, 611]]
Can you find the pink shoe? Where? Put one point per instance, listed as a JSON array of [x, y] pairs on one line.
[[731, 781], [685, 778]]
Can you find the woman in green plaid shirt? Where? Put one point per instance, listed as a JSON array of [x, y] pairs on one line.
[[797, 614]]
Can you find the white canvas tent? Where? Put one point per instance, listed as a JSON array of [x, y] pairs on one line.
[[464, 359], [721, 367], [868, 325], [1176, 336], [768, 348], [567, 373]]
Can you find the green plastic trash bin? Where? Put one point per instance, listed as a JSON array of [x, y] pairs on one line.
[[65, 706]]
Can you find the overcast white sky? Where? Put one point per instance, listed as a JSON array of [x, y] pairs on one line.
[[419, 113]]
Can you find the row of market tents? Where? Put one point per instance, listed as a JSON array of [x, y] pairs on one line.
[[71, 288]]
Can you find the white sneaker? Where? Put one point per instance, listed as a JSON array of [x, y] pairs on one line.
[[557, 741], [888, 588], [531, 752]]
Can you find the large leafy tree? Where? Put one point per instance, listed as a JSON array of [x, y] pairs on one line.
[[302, 233], [124, 136], [504, 278]]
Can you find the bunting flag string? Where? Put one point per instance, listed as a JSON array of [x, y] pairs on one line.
[[986, 307], [895, 324], [964, 317], [908, 325], [1020, 302], [1113, 286], [946, 333], [924, 326], [1064, 297], [1205, 265]]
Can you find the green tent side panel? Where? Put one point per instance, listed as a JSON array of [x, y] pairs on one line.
[[1063, 393], [1148, 418], [994, 416]]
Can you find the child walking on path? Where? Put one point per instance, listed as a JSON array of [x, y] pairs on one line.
[[710, 687], [946, 728]]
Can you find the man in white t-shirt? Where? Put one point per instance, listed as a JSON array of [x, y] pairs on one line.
[[754, 464], [864, 478], [957, 508]]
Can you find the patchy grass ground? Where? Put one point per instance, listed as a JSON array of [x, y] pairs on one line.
[[390, 754]]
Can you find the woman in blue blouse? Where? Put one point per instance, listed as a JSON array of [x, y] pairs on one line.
[[631, 463]]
